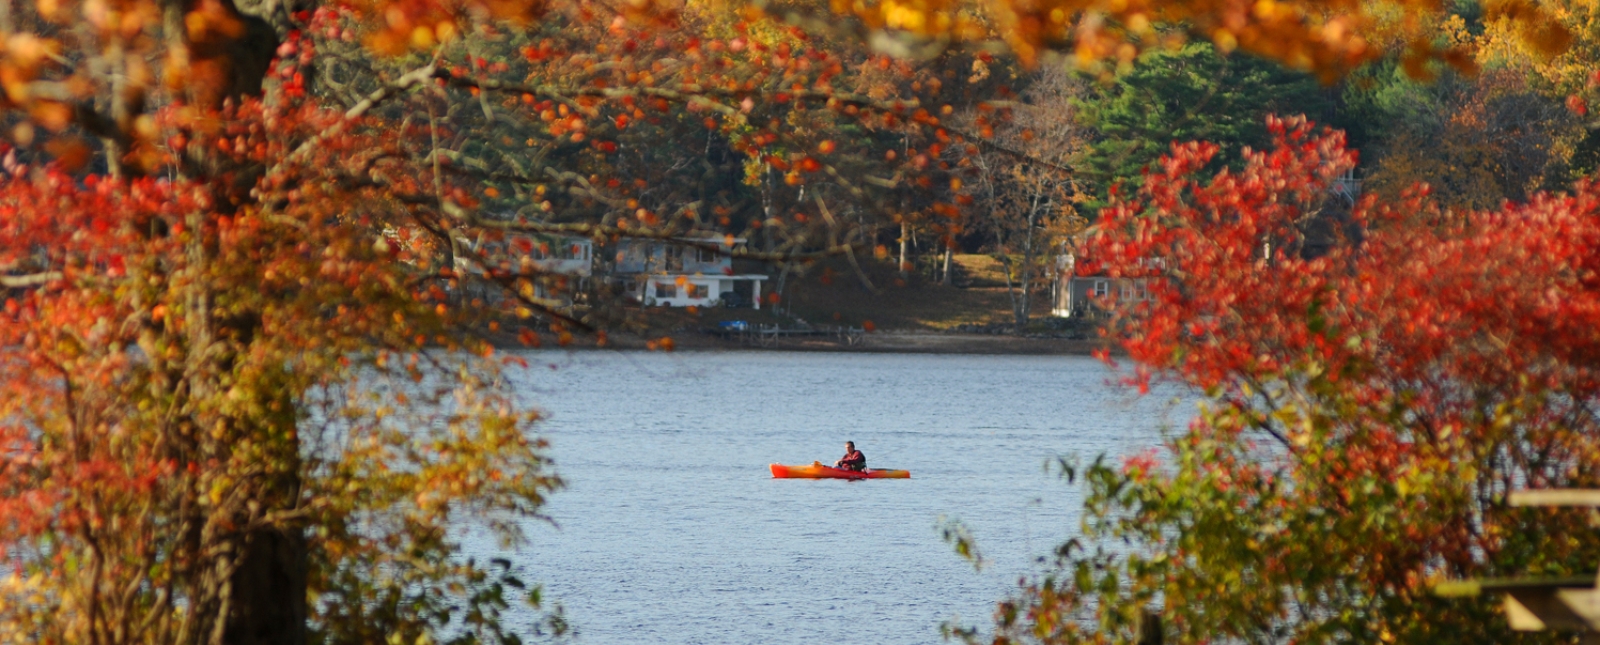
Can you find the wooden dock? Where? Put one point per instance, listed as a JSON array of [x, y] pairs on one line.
[[774, 335]]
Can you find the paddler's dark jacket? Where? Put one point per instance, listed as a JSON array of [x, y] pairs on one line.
[[854, 461]]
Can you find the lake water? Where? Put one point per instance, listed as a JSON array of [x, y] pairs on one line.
[[672, 530]]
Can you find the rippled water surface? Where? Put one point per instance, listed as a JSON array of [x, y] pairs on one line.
[[672, 530]]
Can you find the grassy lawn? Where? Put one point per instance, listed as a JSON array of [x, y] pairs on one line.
[[982, 271], [832, 294]]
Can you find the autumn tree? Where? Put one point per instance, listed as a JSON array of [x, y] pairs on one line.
[[186, 459], [1365, 411], [1326, 37], [1504, 132], [244, 400], [1026, 184], [247, 402], [1567, 76]]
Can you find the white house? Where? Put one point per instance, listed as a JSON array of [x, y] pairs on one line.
[[686, 272]]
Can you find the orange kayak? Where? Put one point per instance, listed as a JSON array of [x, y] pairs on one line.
[[815, 470]]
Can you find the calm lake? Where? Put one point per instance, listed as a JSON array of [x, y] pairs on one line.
[[672, 530]]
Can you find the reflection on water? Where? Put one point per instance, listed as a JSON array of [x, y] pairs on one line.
[[672, 531]]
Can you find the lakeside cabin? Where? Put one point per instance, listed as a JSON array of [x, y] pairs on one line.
[[685, 272]]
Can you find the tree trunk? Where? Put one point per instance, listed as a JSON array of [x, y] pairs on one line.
[[777, 293], [264, 598], [944, 276], [269, 591], [1029, 258], [905, 240]]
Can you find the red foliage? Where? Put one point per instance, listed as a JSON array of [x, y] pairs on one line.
[[1413, 371], [1407, 366], [1485, 298]]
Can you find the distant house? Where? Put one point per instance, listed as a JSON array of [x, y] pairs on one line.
[[685, 272], [1082, 295], [527, 254], [561, 265]]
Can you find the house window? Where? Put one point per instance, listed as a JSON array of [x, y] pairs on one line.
[[706, 256], [666, 290], [698, 291], [674, 258], [1141, 291], [1102, 288]]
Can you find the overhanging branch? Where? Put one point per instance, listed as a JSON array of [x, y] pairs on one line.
[[405, 82], [29, 280], [681, 93]]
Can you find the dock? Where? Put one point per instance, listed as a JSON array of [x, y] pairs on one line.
[[774, 335]]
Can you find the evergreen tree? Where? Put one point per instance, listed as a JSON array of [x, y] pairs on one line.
[[1189, 94]]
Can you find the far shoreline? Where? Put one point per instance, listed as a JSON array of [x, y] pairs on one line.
[[877, 342]]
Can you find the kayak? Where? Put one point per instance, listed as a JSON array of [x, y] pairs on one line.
[[815, 470]]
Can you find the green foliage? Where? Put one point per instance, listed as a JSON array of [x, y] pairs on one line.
[[1381, 101], [1187, 95]]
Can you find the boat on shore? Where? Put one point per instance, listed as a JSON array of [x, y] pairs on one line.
[[815, 470]]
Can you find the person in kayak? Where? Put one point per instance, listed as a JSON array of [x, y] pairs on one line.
[[853, 459]]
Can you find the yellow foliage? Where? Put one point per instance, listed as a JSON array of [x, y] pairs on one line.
[[1511, 42], [1328, 37]]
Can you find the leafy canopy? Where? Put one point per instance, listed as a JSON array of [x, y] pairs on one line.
[[252, 314], [1367, 409]]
